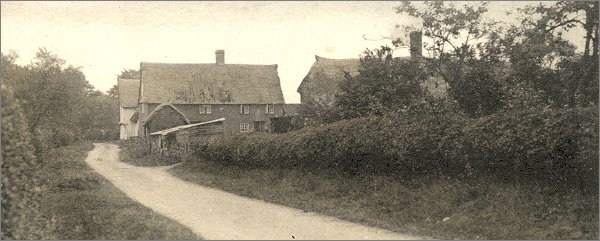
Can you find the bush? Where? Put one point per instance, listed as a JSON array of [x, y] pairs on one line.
[[137, 152], [78, 181], [558, 146], [21, 216]]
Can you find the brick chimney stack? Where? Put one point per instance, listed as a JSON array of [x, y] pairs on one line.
[[220, 56], [416, 44]]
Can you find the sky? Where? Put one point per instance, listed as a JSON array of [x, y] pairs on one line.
[[106, 37]]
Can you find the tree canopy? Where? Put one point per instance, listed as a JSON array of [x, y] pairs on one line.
[[384, 84], [56, 99]]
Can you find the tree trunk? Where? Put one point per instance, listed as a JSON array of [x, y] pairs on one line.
[[594, 22]]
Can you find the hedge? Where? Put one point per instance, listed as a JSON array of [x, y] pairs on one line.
[[540, 144], [21, 215]]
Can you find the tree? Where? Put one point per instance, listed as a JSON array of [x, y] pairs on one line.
[[384, 85], [58, 102], [541, 57], [113, 92], [101, 117], [578, 74], [54, 96], [463, 43], [129, 74]]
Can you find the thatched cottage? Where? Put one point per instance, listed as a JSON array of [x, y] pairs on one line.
[[171, 95], [321, 83]]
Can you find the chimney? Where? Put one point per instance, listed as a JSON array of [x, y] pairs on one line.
[[220, 56], [416, 44]]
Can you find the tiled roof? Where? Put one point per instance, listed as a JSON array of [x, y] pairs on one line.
[[128, 92], [210, 83]]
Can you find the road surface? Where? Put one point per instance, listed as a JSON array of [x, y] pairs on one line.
[[215, 214]]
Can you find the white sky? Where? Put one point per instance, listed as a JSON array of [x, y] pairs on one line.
[[107, 37]]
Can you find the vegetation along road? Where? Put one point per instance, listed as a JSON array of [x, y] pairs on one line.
[[216, 214]]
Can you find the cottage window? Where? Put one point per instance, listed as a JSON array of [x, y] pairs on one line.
[[244, 127], [270, 109], [205, 109], [244, 109]]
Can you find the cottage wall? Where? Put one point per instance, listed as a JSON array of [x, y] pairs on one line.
[[165, 118], [231, 113], [128, 128], [182, 142]]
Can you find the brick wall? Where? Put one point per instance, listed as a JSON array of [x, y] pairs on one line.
[[231, 113]]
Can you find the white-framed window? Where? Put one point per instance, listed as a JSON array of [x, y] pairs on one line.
[[244, 127], [205, 109], [270, 109], [244, 109]]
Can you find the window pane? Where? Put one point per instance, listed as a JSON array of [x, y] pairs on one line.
[[244, 127], [244, 109], [208, 109]]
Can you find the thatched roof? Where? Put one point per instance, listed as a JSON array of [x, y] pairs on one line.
[[326, 74], [210, 84], [128, 92]]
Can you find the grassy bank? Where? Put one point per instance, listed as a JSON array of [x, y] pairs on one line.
[[137, 153], [439, 207], [86, 206]]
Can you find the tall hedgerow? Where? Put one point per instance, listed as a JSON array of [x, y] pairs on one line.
[[21, 216], [550, 147]]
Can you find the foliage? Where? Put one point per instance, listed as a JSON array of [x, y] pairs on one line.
[[44, 105], [87, 207], [21, 216], [129, 74], [58, 102], [384, 85], [137, 152], [113, 91], [314, 112], [480, 92], [476, 209], [546, 146], [101, 116], [541, 58], [465, 52]]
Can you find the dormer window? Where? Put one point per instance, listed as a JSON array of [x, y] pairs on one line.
[[205, 109], [244, 109], [270, 109]]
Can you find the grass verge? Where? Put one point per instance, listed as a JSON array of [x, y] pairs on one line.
[[84, 205], [137, 153], [437, 207]]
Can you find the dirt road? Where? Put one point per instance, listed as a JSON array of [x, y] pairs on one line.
[[215, 214]]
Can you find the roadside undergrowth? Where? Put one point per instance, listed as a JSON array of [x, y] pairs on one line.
[[137, 153], [85, 206], [429, 206]]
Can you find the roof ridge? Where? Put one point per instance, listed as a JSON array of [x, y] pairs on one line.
[[119, 78], [319, 58], [207, 64]]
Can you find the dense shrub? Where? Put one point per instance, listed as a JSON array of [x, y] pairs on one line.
[[21, 216], [137, 152], [550, 145]]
